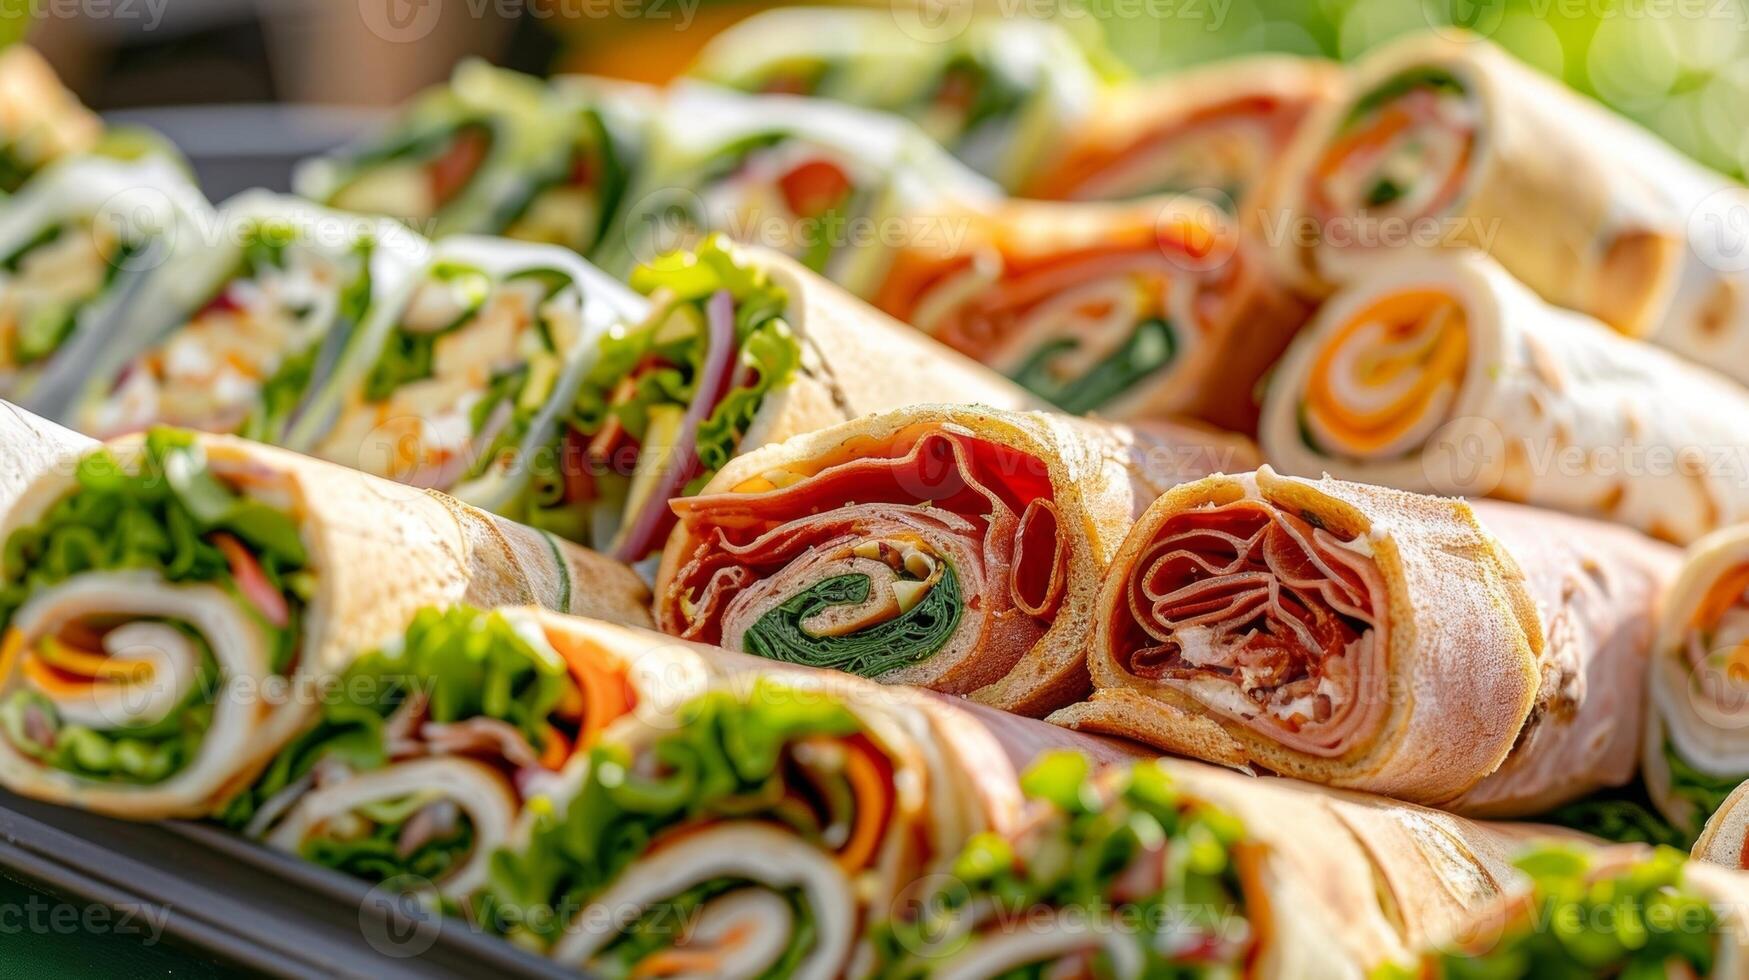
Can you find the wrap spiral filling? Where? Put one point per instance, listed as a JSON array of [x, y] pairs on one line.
[[1388, 378], [934, 546], [244, 361], [1117, 874], [414, 177], [48, 281], [1404, 152], [1714, 654], [421, 768], [771, 816], [1221, 151], [461, 378], [1080, 329], [142, 610], [788, 194], [1264, 618]]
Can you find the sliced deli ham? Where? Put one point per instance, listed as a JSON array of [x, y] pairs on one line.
[[1480, 657], [958, 549]]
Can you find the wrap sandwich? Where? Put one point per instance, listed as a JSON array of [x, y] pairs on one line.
[[778, 812], [169, 605], [456, 380], [428, 750], [1448, 142], [1140, 309], [1697, 740], [831, 186], [281, 292], [91, 245], [1442, 374], [574, 195], [1615, 912], [956, 548], [998, 92], [468, 156], [741, 347], [1217, 130], [40, 120], [1483, 658], [31, 446]]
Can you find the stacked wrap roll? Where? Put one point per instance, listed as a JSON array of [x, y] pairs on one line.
[[1218, 130], [741, 347], [1143, 309], [1697, 743], [1442, 374], [829, 185], [90, 248], [1001, 93], [802, 818], [272, 303], [1484, 658], [40, 120], [1448, 142], [954, 548], [171, 602]]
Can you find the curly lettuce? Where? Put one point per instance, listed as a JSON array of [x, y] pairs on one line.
[[1638, 921], [160, 517], [1086, 837], [724, 758], [465, 662]]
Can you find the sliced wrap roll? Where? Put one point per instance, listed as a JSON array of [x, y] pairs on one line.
[[31, 446], [1442, 374], [429, 749], [959, 549], [830, 186], [463, 157], [1217, 130], [741, 347], [168, 607], [40, 120], [282, 290], [92, 245], [1697, 742], [1448, 141], [1484, 658], [1616, 912], [572, 198], [996, 91], [457, 380], [780, 811], [1143, 309]]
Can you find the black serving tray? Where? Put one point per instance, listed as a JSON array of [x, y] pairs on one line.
[[245, 905]]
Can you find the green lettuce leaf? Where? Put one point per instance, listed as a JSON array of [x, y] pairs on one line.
[[466, 662], [723, 758]]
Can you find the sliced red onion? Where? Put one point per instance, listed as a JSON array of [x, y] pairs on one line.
[[715, 380]]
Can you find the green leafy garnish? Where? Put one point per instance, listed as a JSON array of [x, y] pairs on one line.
[[1151, 347], [911, 637]]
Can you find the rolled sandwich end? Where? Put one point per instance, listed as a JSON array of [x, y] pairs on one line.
[[1291, 624], [940, 546], [1696, 750]]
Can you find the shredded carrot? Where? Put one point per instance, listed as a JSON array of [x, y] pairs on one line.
[[601, 679], [11, 646], [867, 774], [1725, 592]]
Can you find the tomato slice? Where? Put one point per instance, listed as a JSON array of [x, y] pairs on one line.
[[812, 188]]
